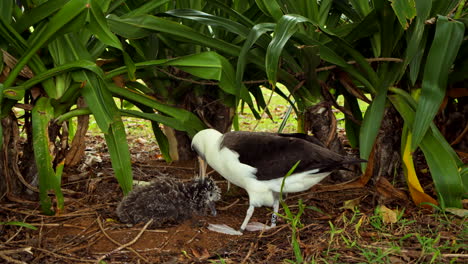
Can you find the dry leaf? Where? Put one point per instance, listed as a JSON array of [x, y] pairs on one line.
[[389, 216], [457, 211], [351, 204], [201, 253]]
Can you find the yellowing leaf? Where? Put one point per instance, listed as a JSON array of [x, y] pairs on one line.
[[351, 204], [389, 216], [416, 191]]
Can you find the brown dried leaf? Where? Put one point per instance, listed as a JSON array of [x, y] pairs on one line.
[[201, 253]]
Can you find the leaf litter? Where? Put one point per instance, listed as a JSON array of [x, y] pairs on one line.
[[339, 224]]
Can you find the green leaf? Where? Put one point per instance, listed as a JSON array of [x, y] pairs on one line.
[[98, 26], [42, 114], [146, 8], [136, 26], [285, 28], [64, 68], [116, 141], [184, 116], [166, 120], [371, 124], [442, 165], [447, 40], [404, 10], [131, 68], [416, 43], [163, 142], [255, 33], [270, 8], [6, 10], [98, 99], [35, 15], [64, 16], [324, 11], [205, 18]]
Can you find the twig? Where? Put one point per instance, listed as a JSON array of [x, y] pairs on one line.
[[80, 234], [127, 245], [164, 244], [278, 228], [15, 251], [10, 259], [19, 230], [229, 206], [460, 137], [193, 238], [63, 257], [252, 245], [117, 243]]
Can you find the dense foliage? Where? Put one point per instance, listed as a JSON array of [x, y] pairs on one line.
[[154, 53]]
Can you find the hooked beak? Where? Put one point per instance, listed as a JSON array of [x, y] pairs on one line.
[[202, 165], [212, 207]]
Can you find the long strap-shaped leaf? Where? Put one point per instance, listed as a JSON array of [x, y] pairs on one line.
[[415, 188], [65, 15], [442, 164], [447, 40], [42, 113]]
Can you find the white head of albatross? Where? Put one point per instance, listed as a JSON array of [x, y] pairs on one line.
[[258, 161]]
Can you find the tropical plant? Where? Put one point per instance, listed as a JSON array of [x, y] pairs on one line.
[[81, 57], [156, 55]]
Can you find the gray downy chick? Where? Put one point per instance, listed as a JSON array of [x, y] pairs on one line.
[[168, 201]]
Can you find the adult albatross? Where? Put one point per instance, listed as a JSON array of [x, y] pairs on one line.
[[258, 161]]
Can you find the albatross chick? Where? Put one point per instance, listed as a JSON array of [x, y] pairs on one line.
[[168, 201]]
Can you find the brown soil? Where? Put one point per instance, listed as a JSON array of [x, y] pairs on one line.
[[88, 229]]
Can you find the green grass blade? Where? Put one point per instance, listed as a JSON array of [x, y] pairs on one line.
[[42, 113], [17, 223], [447, 40]]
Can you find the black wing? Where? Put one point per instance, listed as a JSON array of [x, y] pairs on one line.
[[274, 154]]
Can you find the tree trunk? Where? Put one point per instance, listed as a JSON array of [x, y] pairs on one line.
[[10, 184], [387, 158], [321, 122], [211, 111]]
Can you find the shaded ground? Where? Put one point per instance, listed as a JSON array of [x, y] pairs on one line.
[[340, 226]]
